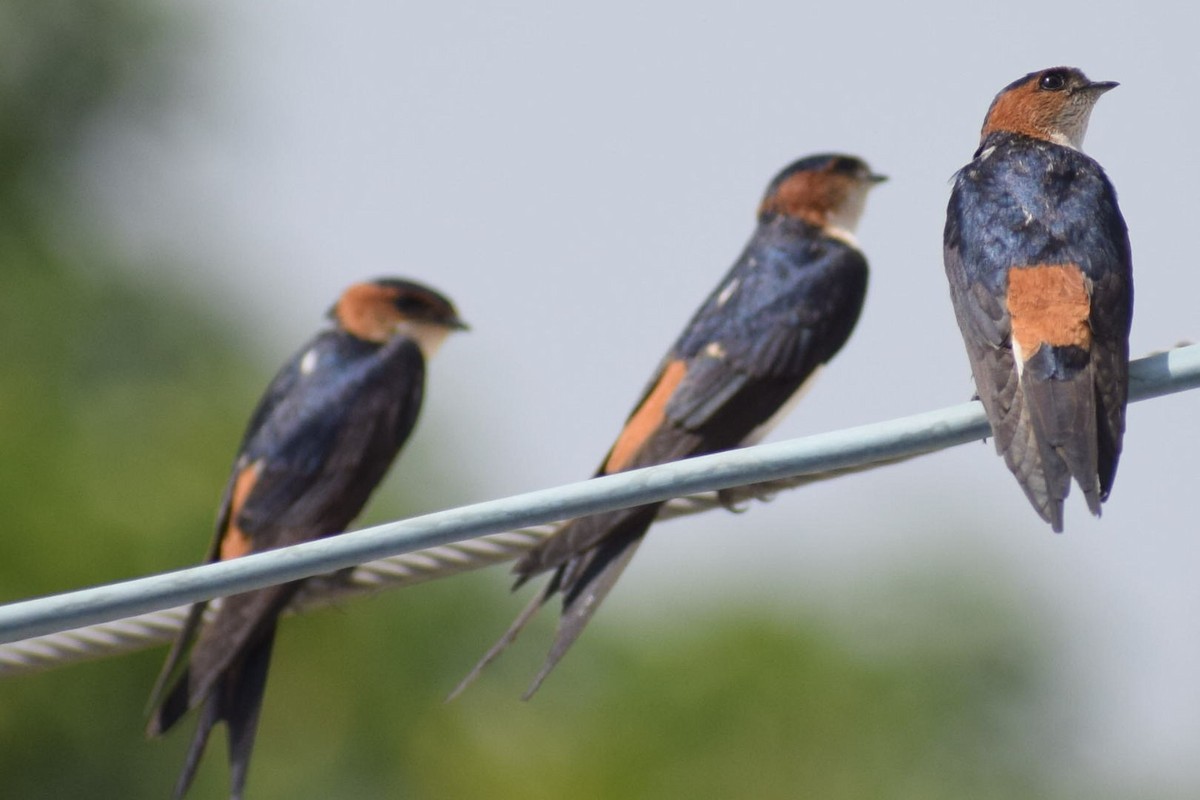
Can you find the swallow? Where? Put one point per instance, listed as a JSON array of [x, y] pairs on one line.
[[784, 309], [321, 438], [1038, 259]]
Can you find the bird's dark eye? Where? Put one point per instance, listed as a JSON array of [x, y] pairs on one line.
[[410, 304], [1053, 81]]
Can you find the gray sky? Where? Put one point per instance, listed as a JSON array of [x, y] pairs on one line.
[[578, 180]]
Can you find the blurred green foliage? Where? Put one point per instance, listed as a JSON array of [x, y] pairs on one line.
[[121, 405]]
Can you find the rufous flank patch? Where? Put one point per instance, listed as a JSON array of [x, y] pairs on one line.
[[647, 419], [234, 541]]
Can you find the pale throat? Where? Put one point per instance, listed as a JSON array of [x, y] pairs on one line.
[[428, 336], [1071, 133], [842, 220]]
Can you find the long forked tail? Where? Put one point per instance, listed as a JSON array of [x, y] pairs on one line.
[[509, 636], [235, 698], [597, 572], [1060, 398], [587, 556]]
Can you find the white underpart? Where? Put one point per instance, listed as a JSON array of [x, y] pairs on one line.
[[1018, 357], [1060, 137], [428, 336], [1073, 122], [758, 433], [309, 362], [842, 234], [843, 220]]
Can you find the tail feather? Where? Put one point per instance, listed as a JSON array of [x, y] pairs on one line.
[[172, 707], [1024, 459], [583, 595], [587, 555], [209, 717], [509, 636], [175, 657], [1111, 371], [235, 697], [244, 698], [581, 535], [1048, 427], [1059, 388], [243, 622], [1016, 440]]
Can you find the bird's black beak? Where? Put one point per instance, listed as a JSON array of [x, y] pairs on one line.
[[1100, 87]]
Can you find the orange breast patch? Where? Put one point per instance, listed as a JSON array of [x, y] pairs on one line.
[[647, 419], [1049, 304]]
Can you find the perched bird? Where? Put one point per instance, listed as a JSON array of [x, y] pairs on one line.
[[785, 308], [1037, 255], [320, 440]]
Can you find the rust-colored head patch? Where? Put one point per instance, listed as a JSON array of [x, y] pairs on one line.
[[376, 310], [1053, 105], [1049, 304], [810, 196], [827, 190]]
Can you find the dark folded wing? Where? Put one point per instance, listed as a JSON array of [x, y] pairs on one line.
[[748, 349]]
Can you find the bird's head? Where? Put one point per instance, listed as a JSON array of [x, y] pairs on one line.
[[828, 191], [378, 310], [1053, 104]]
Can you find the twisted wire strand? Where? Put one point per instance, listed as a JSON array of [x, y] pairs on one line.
[[1154, 376], [159, 627]]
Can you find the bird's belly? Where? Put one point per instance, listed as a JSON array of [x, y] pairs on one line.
[[762, 430]]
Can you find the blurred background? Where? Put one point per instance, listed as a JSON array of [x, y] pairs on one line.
[[184, 191]]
